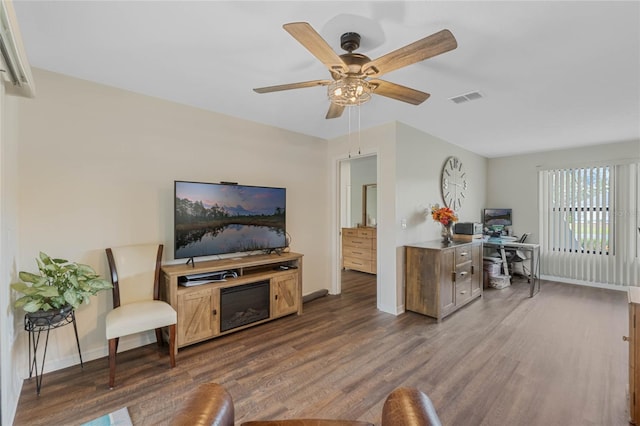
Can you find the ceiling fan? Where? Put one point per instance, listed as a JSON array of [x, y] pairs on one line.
[[355, 76]]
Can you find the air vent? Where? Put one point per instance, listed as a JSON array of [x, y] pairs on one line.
[[471, 96]]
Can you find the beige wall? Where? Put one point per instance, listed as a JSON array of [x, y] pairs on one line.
[[96, 167], [420, 158], [363, 172], [10, 322], [380, 141], [409, 165], [513, 181]]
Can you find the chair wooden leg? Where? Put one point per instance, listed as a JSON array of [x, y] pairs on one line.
[[113, 348], [172, 345], [159, 337]]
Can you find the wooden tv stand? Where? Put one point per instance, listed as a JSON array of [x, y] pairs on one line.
[[198, 306]]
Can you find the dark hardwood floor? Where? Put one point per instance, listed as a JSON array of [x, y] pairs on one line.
[[505, 359]]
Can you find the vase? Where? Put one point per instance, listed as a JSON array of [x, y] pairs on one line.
[[447, 233]]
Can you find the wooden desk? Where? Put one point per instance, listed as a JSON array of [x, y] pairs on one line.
[[534, 259]]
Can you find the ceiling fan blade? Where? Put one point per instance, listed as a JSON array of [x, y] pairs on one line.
[[314, 43], [335, 111], [290, 86], [435, 44], [398, 92]]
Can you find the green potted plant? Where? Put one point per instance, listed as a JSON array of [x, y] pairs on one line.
[[60, 287]]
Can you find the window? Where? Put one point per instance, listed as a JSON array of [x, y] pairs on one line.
[[579, 207], [589, 223]]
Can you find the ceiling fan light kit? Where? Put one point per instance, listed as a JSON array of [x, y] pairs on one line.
[[350, 91], [355, 76]]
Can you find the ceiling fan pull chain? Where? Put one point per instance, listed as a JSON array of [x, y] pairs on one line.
[[359, 130], [350, 144]]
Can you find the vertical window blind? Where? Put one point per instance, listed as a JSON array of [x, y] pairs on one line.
[[589, 223]]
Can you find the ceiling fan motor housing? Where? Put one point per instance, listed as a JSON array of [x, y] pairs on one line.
[[350, 41]]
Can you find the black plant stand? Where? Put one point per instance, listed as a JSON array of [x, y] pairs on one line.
[[38, 322]]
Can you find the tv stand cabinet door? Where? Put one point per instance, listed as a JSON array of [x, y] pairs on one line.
[[198, 315], [284, 295]]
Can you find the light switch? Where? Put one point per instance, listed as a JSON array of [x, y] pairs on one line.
[[403, 223]]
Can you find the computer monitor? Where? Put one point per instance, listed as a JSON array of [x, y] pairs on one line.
[[497, 218]]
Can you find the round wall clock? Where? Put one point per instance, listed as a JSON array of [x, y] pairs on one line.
[[453, 183]]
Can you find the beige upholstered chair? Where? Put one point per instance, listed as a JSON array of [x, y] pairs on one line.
[[135, 273]]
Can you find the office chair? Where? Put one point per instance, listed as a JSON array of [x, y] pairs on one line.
[[524, 237], [517, 256], [135, 274]]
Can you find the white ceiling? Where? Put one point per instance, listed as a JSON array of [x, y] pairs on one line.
[[554, 74]]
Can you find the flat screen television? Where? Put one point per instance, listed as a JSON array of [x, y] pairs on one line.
[[497, 217], [216, 218]]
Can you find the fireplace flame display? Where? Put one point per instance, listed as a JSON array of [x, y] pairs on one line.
[[244, 305]]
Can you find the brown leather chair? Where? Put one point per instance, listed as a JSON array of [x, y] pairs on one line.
[[211, 404], [409, 407], [306, 422]]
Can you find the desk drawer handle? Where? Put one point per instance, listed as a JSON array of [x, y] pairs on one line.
[[462, 274], [463, 292], [463, 254]]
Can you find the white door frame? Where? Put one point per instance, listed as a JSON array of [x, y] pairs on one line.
[[343, 213]]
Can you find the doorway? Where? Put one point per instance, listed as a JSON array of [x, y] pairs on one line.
[[358, 212]]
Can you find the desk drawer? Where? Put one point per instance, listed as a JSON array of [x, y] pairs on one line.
[[366, 232], [364, 243], [356, 253], [463, 254], [349, 232], [358, 264], [463, 291], [463, 283]]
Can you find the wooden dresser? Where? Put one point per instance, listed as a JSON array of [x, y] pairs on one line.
[[359, 249], [634, 355], [440, 279]]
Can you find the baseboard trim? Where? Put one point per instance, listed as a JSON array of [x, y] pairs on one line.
[[126, 343], [584, 283], [315, 295]]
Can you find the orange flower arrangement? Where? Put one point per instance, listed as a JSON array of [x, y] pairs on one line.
[[444, 215]]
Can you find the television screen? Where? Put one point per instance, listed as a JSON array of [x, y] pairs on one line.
[[493, 217], [214, 218]]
